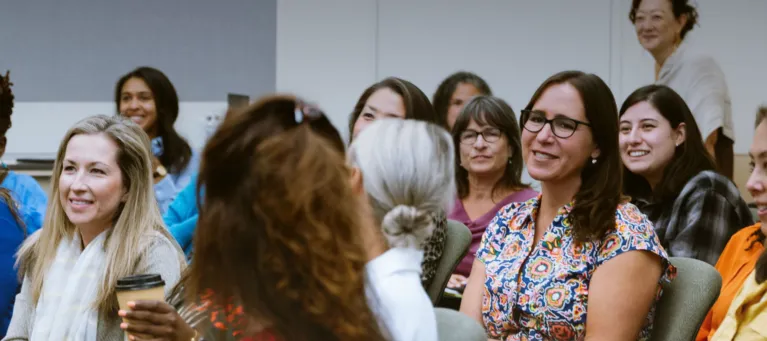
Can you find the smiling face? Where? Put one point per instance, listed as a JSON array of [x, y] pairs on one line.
[[481, 157], [90, 185], [383, 103], [647, 141], [757, 182], [553, 159], [137, 103], [656, 27]]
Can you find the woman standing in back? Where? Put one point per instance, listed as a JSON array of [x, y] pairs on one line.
[[488, 171], [147, 97], [661, 26], [101, 225]]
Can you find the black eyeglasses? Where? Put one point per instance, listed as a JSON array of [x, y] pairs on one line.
[[562, 127], [488, 135]]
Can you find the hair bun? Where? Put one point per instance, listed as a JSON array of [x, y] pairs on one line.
[[407, 226]]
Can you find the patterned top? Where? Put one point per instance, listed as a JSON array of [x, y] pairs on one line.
[[704, 216], [544, 296]]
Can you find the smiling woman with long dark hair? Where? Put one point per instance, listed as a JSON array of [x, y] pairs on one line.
[[672, 179], [147, 97]]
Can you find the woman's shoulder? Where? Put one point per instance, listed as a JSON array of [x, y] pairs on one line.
[[710, 182], [630, 221]]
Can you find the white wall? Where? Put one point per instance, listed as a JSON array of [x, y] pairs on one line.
[[49, 121], [331, 51]]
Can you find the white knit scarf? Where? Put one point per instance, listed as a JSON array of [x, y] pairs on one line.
[[66, 309]]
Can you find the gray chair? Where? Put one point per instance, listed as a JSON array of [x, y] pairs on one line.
[[457, 241], [686, 300], [455, 326]]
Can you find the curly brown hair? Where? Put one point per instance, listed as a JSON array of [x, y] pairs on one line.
[[278, 230]]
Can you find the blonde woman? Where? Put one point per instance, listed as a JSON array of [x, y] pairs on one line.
[[102, 223]]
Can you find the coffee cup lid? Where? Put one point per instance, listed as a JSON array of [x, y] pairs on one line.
[[140, 282]]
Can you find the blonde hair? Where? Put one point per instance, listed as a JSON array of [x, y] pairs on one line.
[[138, 219], [408, 173]]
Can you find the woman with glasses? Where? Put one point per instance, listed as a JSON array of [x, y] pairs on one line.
[[672, 179], [578, 249], [488, 171]]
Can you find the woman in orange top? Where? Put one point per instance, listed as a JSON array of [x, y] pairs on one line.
[[735, 264], [745, 248]]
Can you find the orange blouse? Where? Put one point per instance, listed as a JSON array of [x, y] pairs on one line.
[[735, 264]]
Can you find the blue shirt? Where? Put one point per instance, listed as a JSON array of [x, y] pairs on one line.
[[11, 237], [181, 216], [166, 190], [30, 199]]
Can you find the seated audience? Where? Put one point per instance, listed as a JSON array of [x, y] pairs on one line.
[[398, 98], [454, 92], [672, 179], [147, 97], [28, 197], [279, 251], [577, 262], [488, 170], [739, 312], [403, 185], [103, 225]]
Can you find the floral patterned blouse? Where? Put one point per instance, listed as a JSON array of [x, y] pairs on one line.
[[544, 296]]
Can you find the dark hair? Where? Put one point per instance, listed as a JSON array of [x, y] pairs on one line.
[[495, 112], [278, 232], [6, 109], [417, 105], [679, 8], [761, 115], [690, 157], [441, 98], [176, 151], [595, 203]]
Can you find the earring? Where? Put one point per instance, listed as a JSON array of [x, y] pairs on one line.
[[593, 161], [509, 160]]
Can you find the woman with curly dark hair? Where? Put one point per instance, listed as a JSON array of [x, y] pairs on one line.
[[279, 242]]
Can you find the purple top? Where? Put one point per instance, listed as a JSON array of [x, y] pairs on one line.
[[477, 227]]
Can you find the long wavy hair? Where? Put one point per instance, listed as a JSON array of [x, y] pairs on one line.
[[690, 157], [278, 230], [593, 212], [136, 225], [176, 150]]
